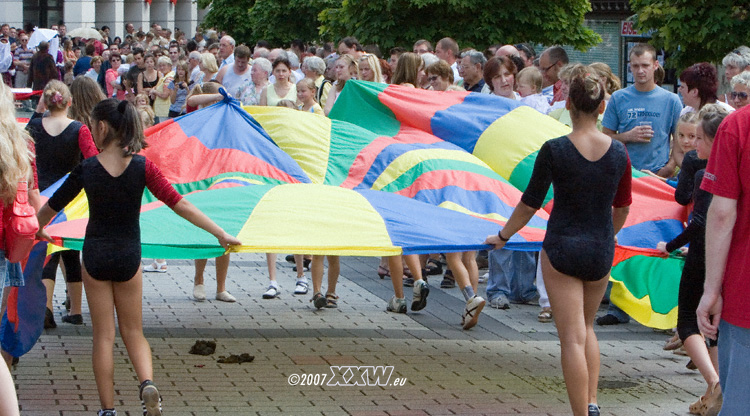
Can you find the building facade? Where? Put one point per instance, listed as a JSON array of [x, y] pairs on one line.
[[182, 14]]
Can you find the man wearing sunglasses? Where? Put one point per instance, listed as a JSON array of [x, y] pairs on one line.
[[22, 59]]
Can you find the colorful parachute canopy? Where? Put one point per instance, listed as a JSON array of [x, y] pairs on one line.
[[229, 167], [507, 136]]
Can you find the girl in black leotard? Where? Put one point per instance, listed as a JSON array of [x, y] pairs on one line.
[[61, 144], [114, 182], [591, 174], [694, 272]]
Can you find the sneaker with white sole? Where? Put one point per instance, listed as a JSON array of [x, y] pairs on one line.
[[500, 302], [272, 292], [301, 287], [397, 305], [150, 399], [225, 297], [199, 293], [156, 267], [473, 308], [419, 297], [107, 412]]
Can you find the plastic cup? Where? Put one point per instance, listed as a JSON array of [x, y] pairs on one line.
[[650, 126]]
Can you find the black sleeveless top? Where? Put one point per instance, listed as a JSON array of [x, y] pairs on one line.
[[55, 155]]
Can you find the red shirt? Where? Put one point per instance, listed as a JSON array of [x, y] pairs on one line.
[[728, 175]]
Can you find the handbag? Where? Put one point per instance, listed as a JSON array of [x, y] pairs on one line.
[[19, 225]]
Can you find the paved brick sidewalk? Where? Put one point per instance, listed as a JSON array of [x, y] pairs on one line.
[[508, 364]]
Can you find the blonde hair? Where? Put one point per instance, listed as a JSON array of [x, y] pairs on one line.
[[15, 155], [144, 96], [147, 116], [164, 60], [56, 95], [612, 83], [350, 63], [532, 76], [208, 60], [310, 84], [85, 93], [374, 63]]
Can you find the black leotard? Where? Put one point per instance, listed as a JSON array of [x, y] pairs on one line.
[[694, 271], [580, 236], [690, 165], [112, 248]]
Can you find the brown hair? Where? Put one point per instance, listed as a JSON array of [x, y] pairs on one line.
[[441, 69], [585, 92], [242, 51], [642, 48], [407, 69], [85, 93], [492, 69]]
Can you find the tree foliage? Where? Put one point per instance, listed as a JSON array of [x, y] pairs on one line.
[[476, 23], [277, 21], [693, 31], [389, 23]]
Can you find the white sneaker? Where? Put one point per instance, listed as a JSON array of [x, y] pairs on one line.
[[473, 308], [156, 267], [225, 297], [301, 287], [199, 293], [271, 292], [419, 298]]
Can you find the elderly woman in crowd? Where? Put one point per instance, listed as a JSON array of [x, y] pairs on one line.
[[314, 68], [439, 75], [208, 68], [427, 60], [500, 76], [251, 90], [369, 69], [740, 90], [346, 69], [734, 63]]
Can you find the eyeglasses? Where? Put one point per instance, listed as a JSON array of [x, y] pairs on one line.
[[741, 95], [547, 68]]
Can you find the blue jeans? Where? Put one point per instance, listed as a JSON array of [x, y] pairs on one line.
[[512, 273], [11, 272], [614, 310], [734, 368]]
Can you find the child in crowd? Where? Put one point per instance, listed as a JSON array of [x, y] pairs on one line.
[[145, 110], [112, 250], [694, 271], [179, 89], [529, 86], [306, 91]]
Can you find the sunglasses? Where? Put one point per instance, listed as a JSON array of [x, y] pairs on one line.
[[740, 95]]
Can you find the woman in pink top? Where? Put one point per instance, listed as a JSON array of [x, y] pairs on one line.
[[111, 77]]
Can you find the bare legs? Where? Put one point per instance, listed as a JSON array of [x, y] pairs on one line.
[[104, 298], [316, 269], [464, 268], [222, 267], [702, 357], [574, 305]]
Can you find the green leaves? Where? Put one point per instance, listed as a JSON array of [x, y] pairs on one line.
[[693, 30], [391, 23]]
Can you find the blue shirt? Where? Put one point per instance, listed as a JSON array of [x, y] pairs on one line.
[[628, 107]]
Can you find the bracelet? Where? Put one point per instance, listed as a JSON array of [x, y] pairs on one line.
[[500, 236]]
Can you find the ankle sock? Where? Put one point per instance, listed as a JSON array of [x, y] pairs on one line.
[[468, 292]]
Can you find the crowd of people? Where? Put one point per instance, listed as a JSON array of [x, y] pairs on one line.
[[99, 96]]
